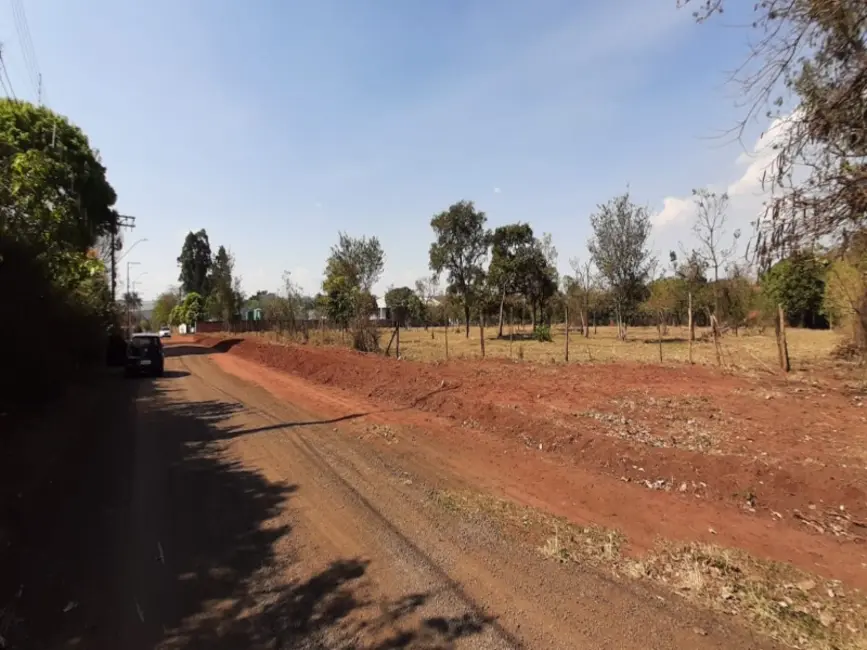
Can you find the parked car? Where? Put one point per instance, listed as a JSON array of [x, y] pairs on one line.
[[165, 332], [144, 355]]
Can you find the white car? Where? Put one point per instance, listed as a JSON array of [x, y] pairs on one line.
[[165, 333]]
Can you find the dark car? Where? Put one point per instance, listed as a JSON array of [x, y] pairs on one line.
[[144, 355]]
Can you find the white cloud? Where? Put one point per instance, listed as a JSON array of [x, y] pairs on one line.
[[747, 193], [674, 210], [759, 162]]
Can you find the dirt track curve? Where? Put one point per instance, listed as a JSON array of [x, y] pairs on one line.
[[231, 518]]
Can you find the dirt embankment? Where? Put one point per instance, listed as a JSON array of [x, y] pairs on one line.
[[793, 450]]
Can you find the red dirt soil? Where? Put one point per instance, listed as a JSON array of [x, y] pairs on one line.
[[774, 456]]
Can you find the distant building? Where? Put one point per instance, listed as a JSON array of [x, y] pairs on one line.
[[251, 314], [382, 312]]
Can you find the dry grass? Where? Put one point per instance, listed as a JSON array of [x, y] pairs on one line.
[[750, 351], [777, 600]]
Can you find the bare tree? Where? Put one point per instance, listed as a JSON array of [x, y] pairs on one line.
[[807, 68], [709, 229], [582, 288]]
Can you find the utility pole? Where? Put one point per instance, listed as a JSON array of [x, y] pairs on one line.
[[122, 221]]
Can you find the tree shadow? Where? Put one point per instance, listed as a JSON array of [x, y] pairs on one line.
[[219, 410], [155, 535], [185, 349]]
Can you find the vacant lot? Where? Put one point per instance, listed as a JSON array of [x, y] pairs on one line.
[[750, 350], [773, 464]]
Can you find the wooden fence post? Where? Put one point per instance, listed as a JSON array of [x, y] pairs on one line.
[[566, 310], [690, 326], [714, 324], [782, 344], [659, 332], [397, 341]]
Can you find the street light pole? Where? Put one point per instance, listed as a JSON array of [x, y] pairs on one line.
[[128, 323], [129, 250]]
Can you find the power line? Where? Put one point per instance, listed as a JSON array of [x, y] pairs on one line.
[[10, 91], [28, 51]]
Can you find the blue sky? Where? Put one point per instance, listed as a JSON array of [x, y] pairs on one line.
[[275, 124]]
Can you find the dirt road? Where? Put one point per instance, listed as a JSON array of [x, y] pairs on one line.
[[204, 512]]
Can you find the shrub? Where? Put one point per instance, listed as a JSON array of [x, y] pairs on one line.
[[365, 335], [542, 333]]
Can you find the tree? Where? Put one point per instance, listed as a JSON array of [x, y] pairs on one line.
[[55, 199], [738, 296], [581, 292], [295, 301], [619, 250], [404, 305], [354, 266], [511, 248], [709, 229], [460, 246], [692, 272], [132, 301], [798, 284], [810, 54], [539, 278], [190, 311], [224, 299], [195, 262], [426, 289], [163, 306], [845, 282], [359, 260]]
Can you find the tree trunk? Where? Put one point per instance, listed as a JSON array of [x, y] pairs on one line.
[[482, 332], [502, 305], [566, 309], [467, 315], [859, 338]]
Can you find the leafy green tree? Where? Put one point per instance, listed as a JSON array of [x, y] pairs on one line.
[[191, 310], [163, 306], [404, 305], [798, 284], [54, 193], [460, 246], [846, 282], [737, 297], [538, 280], [619, 250], [354, 266], [195, 262], [223, 301], [512, 247]]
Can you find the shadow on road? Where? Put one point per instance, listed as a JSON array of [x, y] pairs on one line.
[[185, 349], [233, 553], [147, 533]]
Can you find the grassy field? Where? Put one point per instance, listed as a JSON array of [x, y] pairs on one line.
[[749, 350]]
